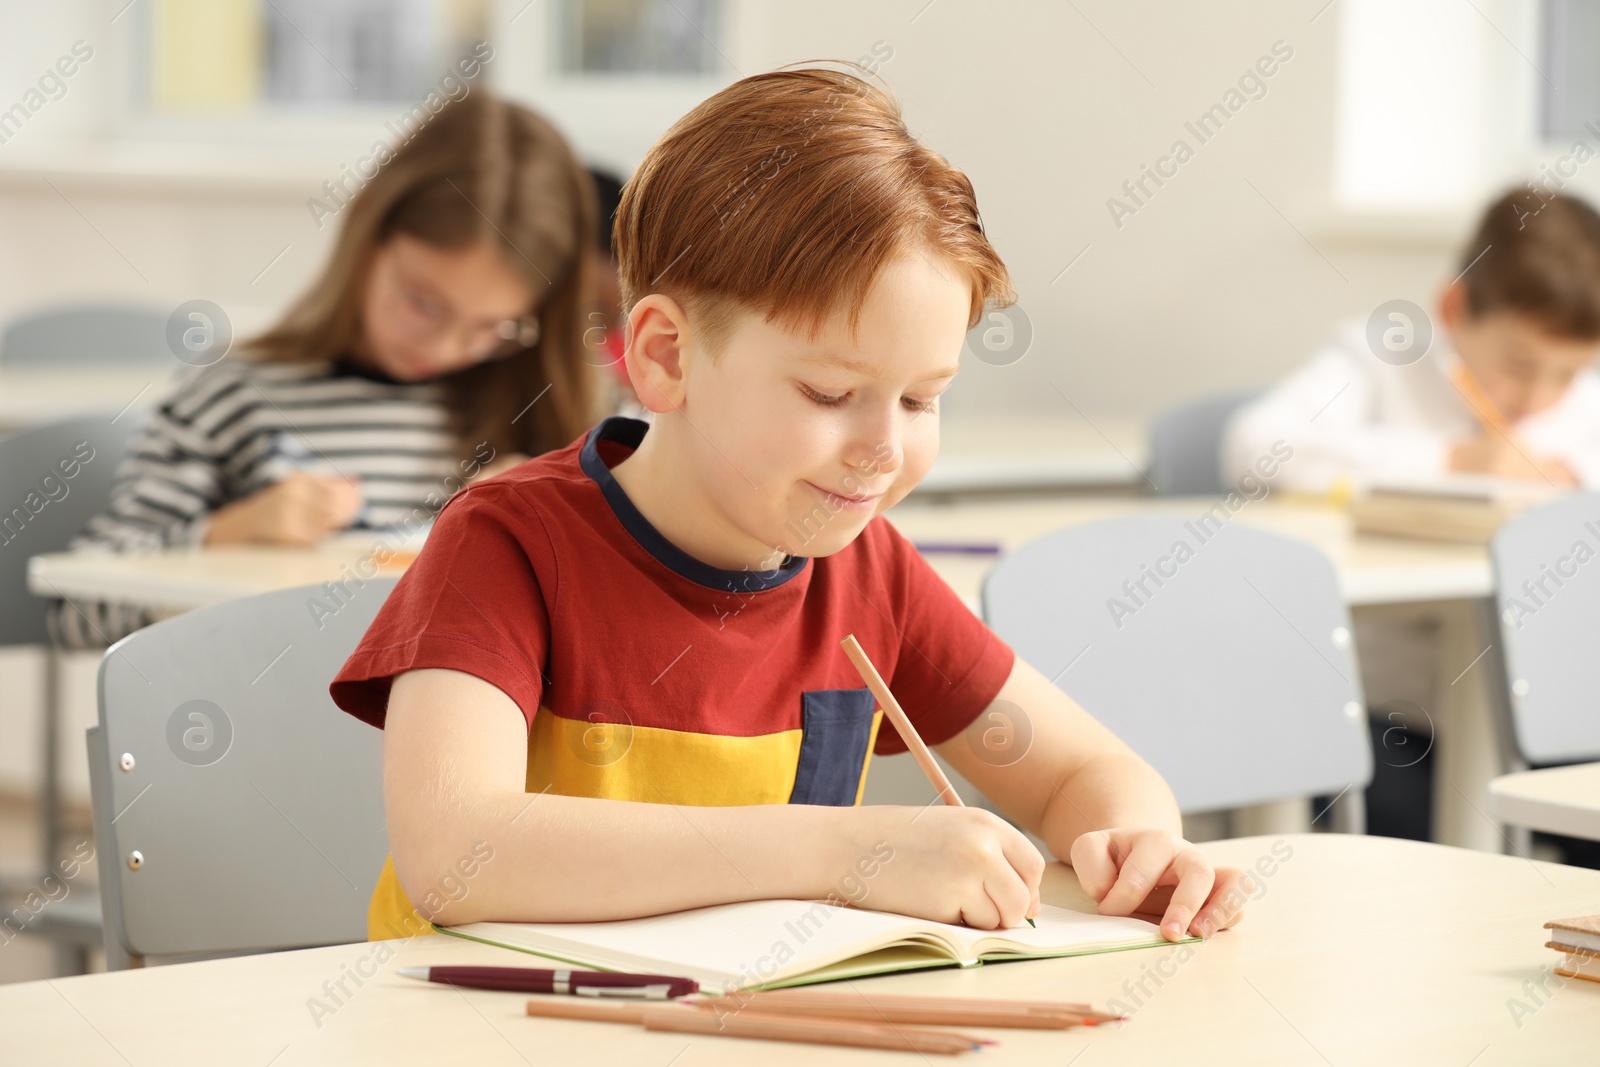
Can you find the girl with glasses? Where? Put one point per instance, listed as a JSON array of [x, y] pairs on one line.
[[444, 342]]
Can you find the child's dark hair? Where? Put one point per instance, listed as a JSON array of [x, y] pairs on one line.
[[1539, 257]]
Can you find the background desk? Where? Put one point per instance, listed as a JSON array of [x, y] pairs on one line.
[[1033, 453], [1557, 800], [33, 397], [1334, 963], [1372, 570], [1443, 580]]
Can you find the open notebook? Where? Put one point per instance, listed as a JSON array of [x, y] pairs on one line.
[[766, 944]]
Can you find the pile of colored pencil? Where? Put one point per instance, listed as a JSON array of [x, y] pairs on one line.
[[857, 1019]]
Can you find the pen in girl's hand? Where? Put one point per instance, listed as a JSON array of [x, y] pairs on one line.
[[290, 454]]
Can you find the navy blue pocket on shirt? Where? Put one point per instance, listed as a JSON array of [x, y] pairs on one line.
[[835, 727]]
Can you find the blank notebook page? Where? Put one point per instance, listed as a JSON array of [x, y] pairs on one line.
[[754, 937]]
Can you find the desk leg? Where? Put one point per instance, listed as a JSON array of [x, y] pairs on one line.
[[50, 785], [1466, 750]]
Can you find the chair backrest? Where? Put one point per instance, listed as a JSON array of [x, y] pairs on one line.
[[254, 804], [1186, 444], [86, 335], [1547, 595], [53, 479], [1235, 677]]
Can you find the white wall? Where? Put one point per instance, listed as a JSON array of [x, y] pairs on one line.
[[1227, 276]]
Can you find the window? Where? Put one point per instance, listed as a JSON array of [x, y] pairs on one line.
[[211, 55], [305, 81], [612, 37], [614, 74], [1409, 131], [1569, 46]]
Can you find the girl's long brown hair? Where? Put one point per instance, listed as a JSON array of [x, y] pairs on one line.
[[481, 168]]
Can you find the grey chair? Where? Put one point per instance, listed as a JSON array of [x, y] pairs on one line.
[[236, 808], [41, 510], [31, 463], [1548, 605], [85, 336], [1186, 444], [1235, 677]]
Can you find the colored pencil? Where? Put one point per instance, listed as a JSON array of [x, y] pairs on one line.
[[902, 723], [764, 1026], [908, 733], [926, 1011], [1486, 410]]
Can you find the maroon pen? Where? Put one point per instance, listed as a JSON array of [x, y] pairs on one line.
[[578, 983]]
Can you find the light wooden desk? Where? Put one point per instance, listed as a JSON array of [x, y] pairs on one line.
[[1030, 452], [178, 580], [1372, 570], [34, 397], [1556, 800], [1446, 581], [1334, 963]]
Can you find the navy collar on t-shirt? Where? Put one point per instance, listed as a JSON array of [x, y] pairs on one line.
[[629, 432]]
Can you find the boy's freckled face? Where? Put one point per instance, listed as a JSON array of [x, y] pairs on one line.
[[819, 434]]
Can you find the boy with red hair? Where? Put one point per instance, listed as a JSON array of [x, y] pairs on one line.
[[642, 630]]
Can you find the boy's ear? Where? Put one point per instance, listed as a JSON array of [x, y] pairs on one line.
[[1453, 310], [658, 330]]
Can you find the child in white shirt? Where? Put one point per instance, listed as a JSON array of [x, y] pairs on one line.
[[1522, 320]]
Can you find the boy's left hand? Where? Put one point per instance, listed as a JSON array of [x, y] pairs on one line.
[[1155, 875]]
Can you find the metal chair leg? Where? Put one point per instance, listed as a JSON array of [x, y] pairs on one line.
[[1349, 814], [50, 788]]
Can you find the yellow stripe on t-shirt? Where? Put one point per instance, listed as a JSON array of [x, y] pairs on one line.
[[616, 761]]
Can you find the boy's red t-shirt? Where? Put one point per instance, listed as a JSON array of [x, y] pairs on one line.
[[643, 673]]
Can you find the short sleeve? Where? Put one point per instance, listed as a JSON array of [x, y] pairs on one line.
[[950, 665], [473, 601]]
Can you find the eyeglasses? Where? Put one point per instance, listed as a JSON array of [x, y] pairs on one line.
[[426, 317]]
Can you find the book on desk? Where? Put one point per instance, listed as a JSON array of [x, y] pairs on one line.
[[1578, 939], [770, 944], [1463, 508]]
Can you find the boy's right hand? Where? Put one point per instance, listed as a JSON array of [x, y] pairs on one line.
[[1494, 455], [953, 865], [299, 510]]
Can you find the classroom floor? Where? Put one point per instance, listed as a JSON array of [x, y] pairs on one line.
[[27, 957]]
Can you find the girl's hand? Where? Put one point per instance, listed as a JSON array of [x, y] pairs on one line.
[[299, 510], [1154, 875]]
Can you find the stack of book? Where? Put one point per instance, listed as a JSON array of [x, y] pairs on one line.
[[1579, 940], [1464, 508]]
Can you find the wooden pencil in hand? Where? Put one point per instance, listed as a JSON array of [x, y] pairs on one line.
[[902, 723]]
